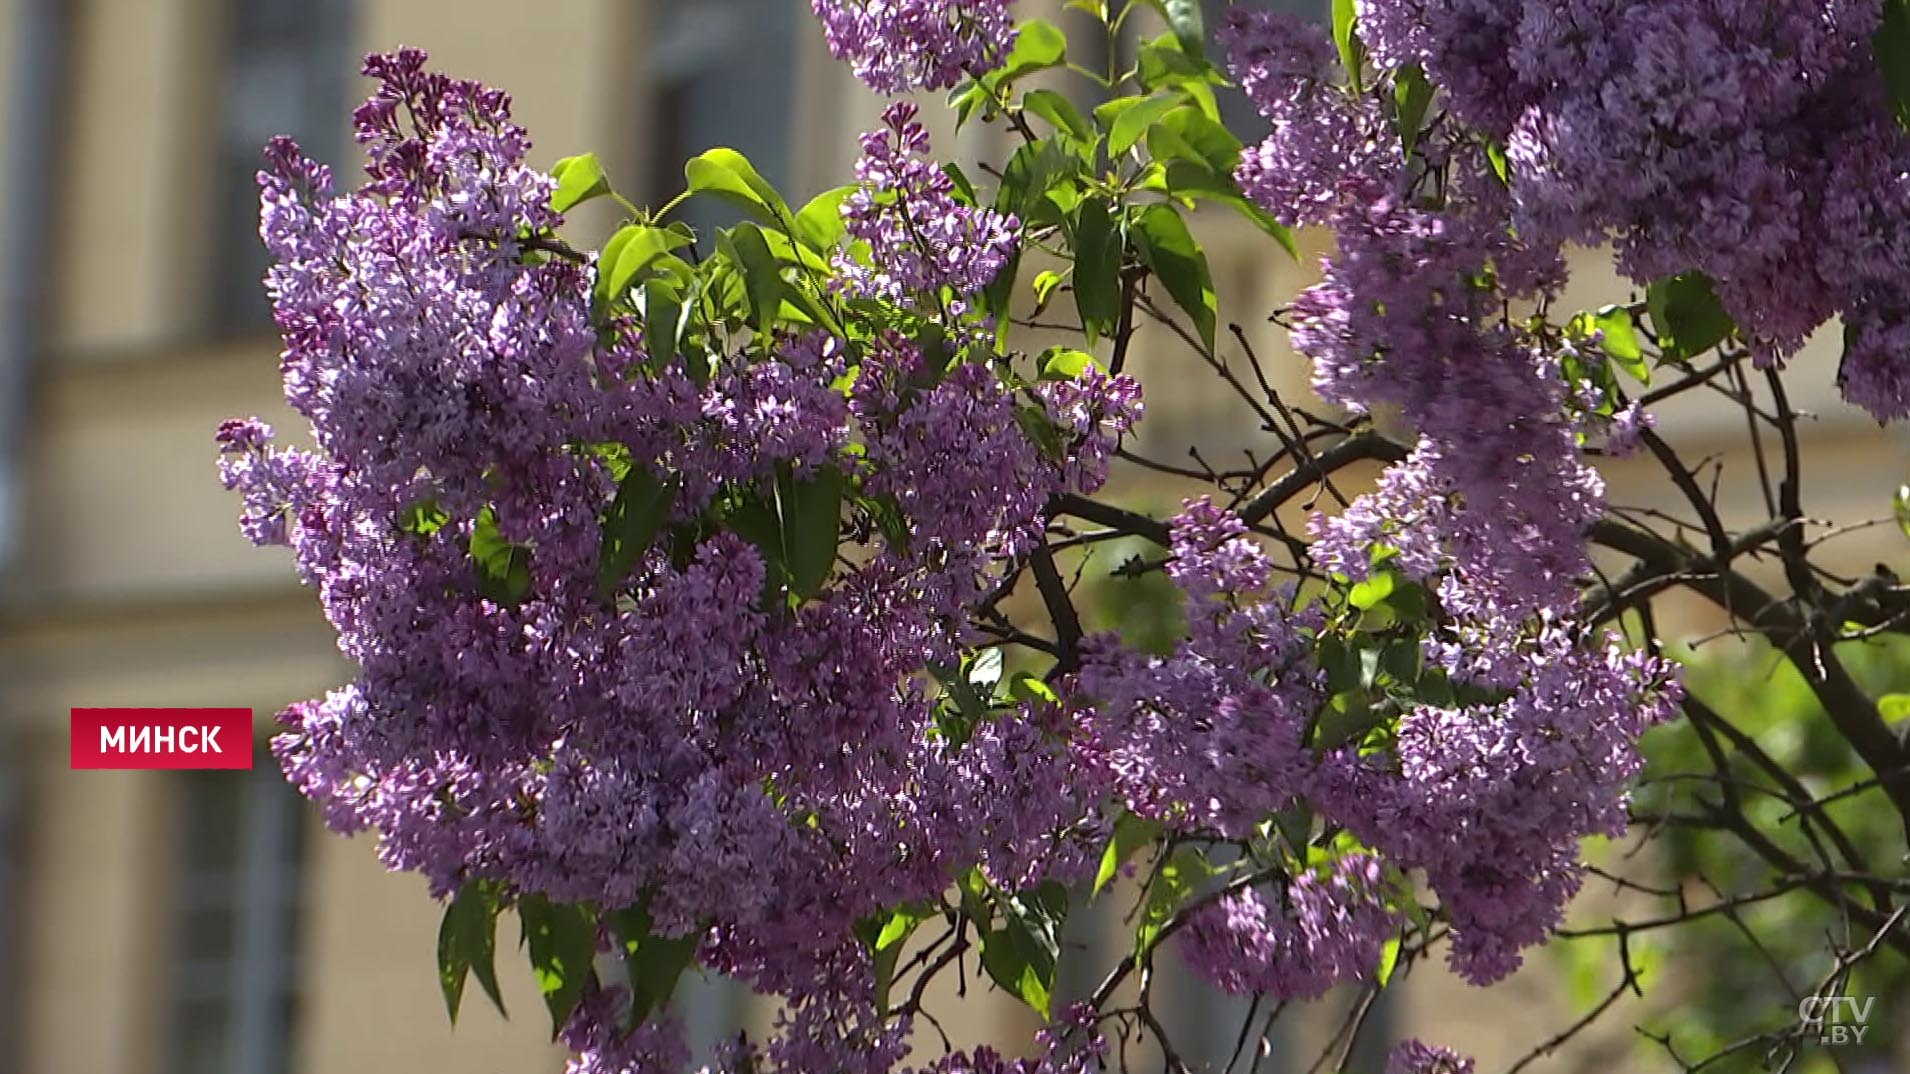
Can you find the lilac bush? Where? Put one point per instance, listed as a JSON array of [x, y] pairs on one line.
[[711, 595]]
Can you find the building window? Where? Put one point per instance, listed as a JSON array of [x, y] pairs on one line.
[[233, 995], [719, 69], [287, 68]]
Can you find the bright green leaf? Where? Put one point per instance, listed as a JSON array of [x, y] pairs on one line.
[[579, 179], [1128, 123], [724, 173], [819, 224], [1060, 113]]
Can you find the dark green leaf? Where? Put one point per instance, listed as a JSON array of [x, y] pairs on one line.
[[563, 942], [422, 519], [811, 520], [652, 964], [641, 506], [503, 569], [1170, 251], [1097, 268], [1891, 47], [467, 942], [762, 274], [1686, 315], [579, 179], [1022, 955]]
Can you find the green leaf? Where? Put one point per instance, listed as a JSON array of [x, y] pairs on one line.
[[1900, 507], [666, 316], [1495, 155], [1066, 364], [638, 511], [652, 964], [422, 519], [563, 942], [1060, 113], [1894, 707], [885, 936], [1045, 283], [503, 569], [467, 942], [811, 518], [1388, 962], [1371, 592], [1189, 26], [1187, 134], [1039, 44], [1033, 168], [630, 251], [1346, 37], [1618, 337], [1024, 686], [579, 179], [1128, 118], [1891, 47], [1170, 251], [1131, 833], [762, 274], [724, 173], [1022, 955], [1412, 95], [1097, 268], [1687, 315], [1169, 889], [819, 224]]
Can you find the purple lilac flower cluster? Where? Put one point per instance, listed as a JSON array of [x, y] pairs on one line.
[[1487, 800], [1327, 928], [917, 242], [758, 773], [1750, 139], [899, 45]]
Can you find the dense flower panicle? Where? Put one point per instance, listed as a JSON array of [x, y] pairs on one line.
[[764, 773], [921, 242], [1330, 931], [1209, 736], [899, 45], [1327, 148], [1748, 139], [1491, 800]]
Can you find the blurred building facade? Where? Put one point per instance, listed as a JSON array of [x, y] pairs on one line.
[[155, 923]]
